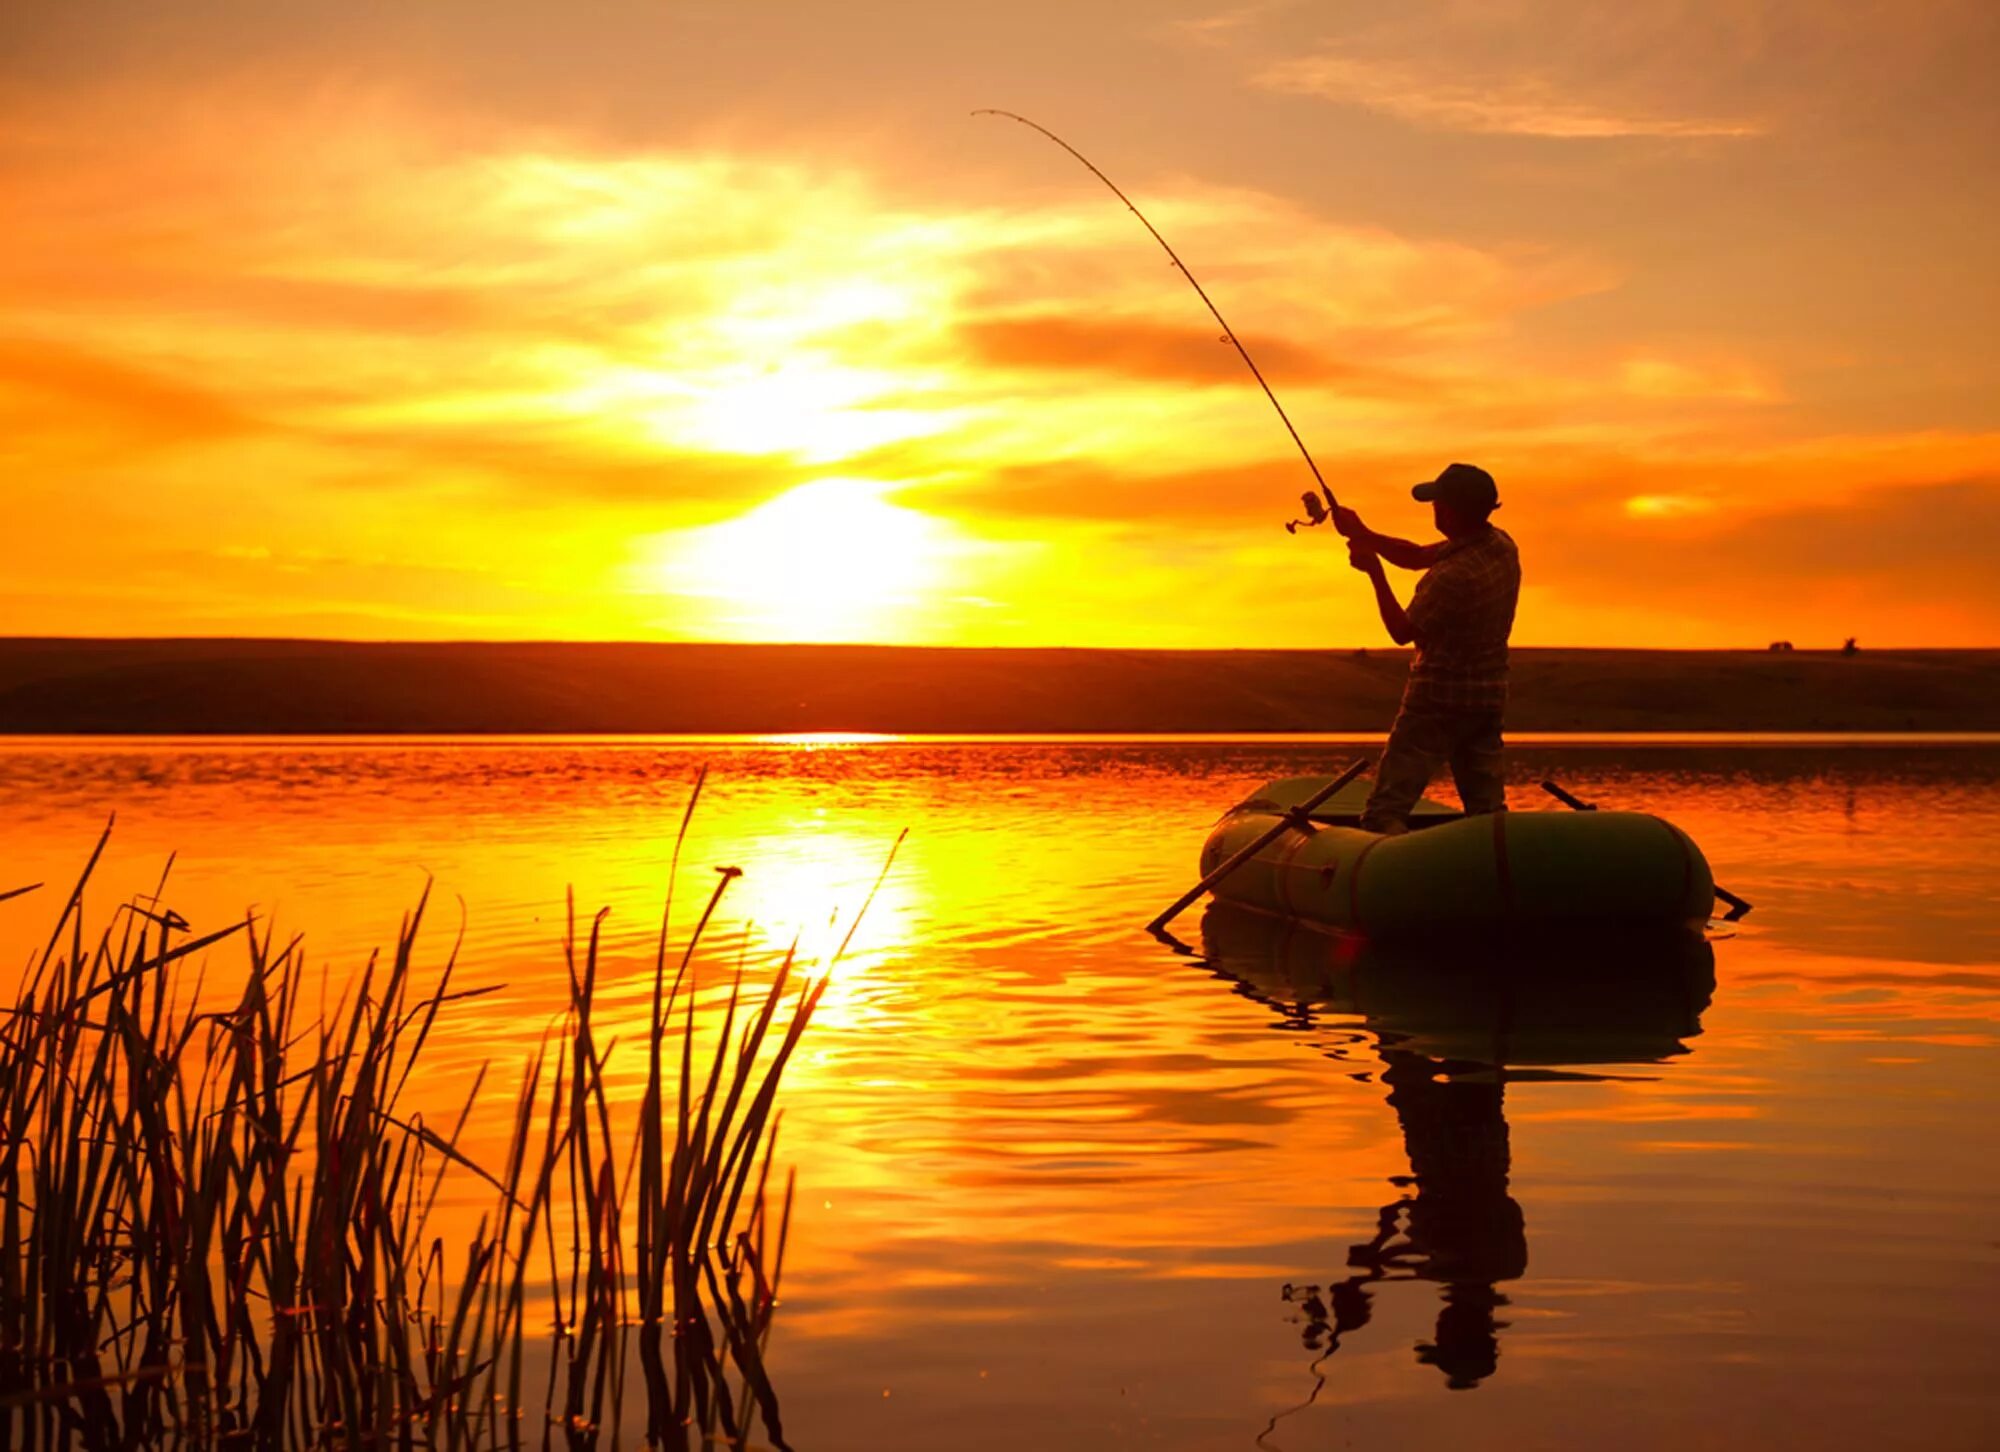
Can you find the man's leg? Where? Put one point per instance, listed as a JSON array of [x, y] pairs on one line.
[[1478, 763], [1417, 743]]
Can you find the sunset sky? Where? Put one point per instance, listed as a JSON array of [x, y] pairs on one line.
[[727, 321]]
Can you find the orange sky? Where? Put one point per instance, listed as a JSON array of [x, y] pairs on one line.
[[727, 321]]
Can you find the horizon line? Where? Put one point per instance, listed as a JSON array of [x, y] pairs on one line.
[[1346, 648]]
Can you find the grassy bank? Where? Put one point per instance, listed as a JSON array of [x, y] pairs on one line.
[[217, 1218], [244, 686]]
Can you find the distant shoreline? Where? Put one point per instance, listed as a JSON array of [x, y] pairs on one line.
[[51, 686]]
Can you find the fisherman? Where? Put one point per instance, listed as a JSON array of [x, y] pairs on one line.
[[1459, 618]]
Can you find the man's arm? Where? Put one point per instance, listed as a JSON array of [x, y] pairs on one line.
[[1400, 552], [1395, 619]]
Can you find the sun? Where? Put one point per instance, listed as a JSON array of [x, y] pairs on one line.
[[828, 561]]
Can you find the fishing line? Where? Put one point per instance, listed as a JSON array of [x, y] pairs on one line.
[[1228, 333]]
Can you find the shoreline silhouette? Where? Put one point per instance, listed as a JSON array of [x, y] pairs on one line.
[[251, 686]]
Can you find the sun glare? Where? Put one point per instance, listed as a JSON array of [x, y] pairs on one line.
[[831, 560]]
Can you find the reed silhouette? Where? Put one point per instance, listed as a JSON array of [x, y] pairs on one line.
[[216, 1223]]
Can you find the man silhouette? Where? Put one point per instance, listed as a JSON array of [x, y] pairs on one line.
[[1459, 619]]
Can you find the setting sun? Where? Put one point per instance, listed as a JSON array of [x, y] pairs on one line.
[[831, 560]]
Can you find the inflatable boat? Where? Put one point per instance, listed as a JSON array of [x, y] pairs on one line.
[[1451, 874]]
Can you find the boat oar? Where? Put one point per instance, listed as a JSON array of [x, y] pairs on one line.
[[1737, 906], [1575, 804], [1293, 819]]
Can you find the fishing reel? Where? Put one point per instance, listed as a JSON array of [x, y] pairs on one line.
[[1316, 513]]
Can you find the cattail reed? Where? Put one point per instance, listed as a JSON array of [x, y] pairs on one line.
[[216, 1222]]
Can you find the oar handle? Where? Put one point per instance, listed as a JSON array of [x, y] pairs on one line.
[[1292, 819], [1737, 906], [1575, 804]]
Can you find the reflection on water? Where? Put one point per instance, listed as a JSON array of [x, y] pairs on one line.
[[1052, 1176], [1452, 1027]]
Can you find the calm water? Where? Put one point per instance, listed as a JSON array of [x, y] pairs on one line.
[[1063, 1187]]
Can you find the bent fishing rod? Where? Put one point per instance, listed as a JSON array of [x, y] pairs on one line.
[[1315, 514]]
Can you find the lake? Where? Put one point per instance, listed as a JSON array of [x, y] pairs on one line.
[[1063, 1186]]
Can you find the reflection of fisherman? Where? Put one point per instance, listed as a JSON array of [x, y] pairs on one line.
[[1464, 1228], [1446, 1026], [1459, 618], [1460, 1227]]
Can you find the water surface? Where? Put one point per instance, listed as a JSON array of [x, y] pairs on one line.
[[1062, 1186]]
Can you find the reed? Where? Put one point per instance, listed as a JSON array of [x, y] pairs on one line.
[[216, 1224]]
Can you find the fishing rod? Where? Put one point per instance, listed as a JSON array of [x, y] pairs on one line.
[[1314, 513]]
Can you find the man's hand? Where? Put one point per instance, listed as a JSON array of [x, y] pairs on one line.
[[1362, 556], [1348, 522]]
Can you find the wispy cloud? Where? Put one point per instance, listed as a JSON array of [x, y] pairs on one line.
[[1515, 105], [571, 314], [1220, 26], [1166, 353], [47, 384]]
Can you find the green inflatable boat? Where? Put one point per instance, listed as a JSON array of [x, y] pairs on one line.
[[1456, 875]]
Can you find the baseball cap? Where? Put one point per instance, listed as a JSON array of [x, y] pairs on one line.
[[1465, 485]]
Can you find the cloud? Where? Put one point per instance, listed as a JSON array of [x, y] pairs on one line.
[[1908, 540], [1742, 552], [1263, 256], [1666, 506], [1088, 490], [1250, 495], [1220, 26], [46, 386], [582, 310], [553, 468], [1519, 105], [1162, 352], [1696, 70], [1652, 376]]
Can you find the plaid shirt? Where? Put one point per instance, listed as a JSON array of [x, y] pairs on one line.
[[1462, 613]]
